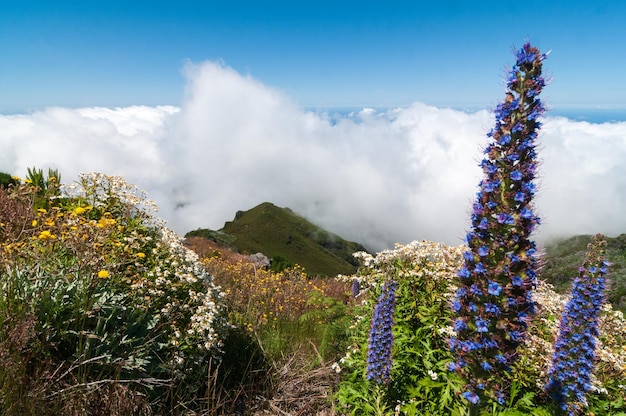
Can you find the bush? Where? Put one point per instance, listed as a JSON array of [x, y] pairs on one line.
[[104, 299], [6, 180], [420, 383]]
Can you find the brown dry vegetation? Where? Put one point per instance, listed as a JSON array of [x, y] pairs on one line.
[[206, 248], [301, 391]]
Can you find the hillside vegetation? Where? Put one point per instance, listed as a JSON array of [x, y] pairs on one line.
[[285, 236], [92, 280]]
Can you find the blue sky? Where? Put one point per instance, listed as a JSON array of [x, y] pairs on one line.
[[320, 53], [203, 104]]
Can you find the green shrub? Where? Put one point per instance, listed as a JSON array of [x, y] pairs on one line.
[[6, 180], [420, 383], [115, 305], [280, 263]]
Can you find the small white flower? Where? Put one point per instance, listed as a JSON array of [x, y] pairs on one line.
[[432, 374]]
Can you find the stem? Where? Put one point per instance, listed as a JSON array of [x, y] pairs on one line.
[[474, 410]]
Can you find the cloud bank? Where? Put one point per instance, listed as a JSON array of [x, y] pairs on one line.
[[373, 177]]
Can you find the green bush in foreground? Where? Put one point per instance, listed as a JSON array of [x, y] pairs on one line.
[[103, 310]]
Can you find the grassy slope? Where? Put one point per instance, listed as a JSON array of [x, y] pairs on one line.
[[276, 231], [564, 257]]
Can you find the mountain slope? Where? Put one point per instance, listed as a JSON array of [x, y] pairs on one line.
[[281, 233], [562, 259]]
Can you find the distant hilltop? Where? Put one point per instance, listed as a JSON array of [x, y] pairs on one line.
[[287, 238]]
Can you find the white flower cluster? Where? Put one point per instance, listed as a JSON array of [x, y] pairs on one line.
[[180, 278], [353, 349], [99, 189], [173, 280], [423, 259]]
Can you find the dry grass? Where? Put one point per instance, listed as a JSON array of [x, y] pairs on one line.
[[206, 248], [301, 390]]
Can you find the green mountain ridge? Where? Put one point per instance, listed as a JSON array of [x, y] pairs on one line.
[[280, 233]]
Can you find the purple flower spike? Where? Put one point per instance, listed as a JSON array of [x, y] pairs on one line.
[[356, 288], [499, 271], [569, 376], [379, 358]]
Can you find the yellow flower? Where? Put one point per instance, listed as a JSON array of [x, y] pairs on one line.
[[103, 274], [34, 223], [141, 255], [46, 235], [41, 210], [79, 210], [104, 222]]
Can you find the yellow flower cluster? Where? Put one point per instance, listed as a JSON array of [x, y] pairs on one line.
[[46, 235], [108, 232], [94, 244], [261, 297]]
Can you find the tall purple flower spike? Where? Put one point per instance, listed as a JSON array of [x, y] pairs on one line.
[[379, 358], [569, 377], [493, 302]]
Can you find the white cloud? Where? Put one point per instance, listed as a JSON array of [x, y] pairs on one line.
[[116, 141], [583, 185], [377, 178]]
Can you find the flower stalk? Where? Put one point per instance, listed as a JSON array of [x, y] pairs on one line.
[[493, 302], [379, 355], [569, 377]]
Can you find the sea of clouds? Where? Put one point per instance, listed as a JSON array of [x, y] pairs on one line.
[[377, 177]]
